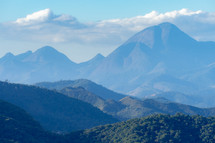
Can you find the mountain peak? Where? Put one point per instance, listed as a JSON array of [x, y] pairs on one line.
[[97, 57], [23, 55], [46, 49], [94, 61], [166, 24], [163, 35], [48, 54], [9, 54]]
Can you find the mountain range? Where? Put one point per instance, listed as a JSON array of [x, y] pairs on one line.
[[127, 107], [54, 111], [18, 126], [157, 60], [90, 86]]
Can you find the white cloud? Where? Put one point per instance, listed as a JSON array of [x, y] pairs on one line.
[[36, 17], [64, 17], [46, 27], [197, 24], [152, 18]]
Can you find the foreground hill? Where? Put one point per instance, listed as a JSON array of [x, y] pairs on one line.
[[129, 107], [54, 111], [16, 126], [156, 128], [139, 108]]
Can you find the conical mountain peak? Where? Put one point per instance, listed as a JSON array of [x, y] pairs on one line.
[[162, 35], [99, 56], [8, 55], [48, 54], [46, 50]]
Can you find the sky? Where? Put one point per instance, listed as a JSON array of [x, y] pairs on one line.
[[81, 29]]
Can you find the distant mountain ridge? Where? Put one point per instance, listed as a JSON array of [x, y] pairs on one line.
[[157, 50], [96, 89], [158, 59], [33, 66]]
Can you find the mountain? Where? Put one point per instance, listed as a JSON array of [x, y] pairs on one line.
[[45, 64], [32, 67], [159, 59], [85, 68], [109, 106], [54, 111], [158, 50], [17, 126], [82, 94], [156, 60], [156, 128], [136, 108], [94, 88], [177, 97], [130, 107]]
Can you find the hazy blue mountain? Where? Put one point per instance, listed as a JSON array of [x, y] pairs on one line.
[[159, 59], [85, 68], [44, 64], [54, 111], [203, 76], [157, 50], [94, 88], [163, 83]]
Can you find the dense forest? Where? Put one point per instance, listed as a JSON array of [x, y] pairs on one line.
[[54, 111], [155, 128], [16, 126]]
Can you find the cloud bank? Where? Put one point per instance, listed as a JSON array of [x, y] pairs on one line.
[[47, 27]]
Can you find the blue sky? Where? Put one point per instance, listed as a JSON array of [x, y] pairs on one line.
[[94, 10], [82, 28]]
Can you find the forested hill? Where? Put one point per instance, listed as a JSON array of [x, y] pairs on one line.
[[16, 126], [54, 111], [151, 129]]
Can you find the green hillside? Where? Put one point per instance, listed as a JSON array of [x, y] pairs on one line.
[[151, 129], [54, 111], [16, 126]]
